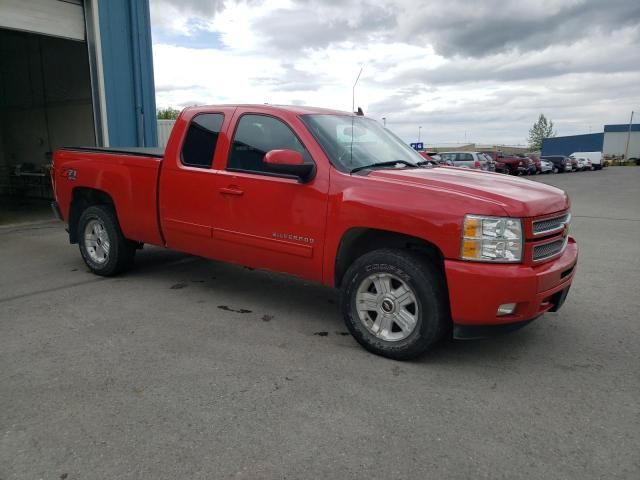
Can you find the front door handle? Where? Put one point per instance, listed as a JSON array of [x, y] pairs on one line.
[[231, 190]]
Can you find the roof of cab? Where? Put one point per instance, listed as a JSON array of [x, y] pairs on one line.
[[295, 109]]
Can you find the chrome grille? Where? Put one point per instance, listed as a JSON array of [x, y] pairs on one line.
[[551, 224], [548, 250]]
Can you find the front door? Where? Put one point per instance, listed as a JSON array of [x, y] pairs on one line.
[[270, 221]]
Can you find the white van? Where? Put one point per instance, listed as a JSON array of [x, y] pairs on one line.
[[595, 157]]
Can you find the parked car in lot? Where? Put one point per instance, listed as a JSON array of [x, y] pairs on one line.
[[574, 164], [475, 160], [507, 163], [546, 166], [536, 161], [330, 197], [583, 163], [529, 165], [560, 163], [594, 157]]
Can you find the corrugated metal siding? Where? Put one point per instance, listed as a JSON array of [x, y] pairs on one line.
[[164, 131], [125, 36], [635, 127], [591, 142]]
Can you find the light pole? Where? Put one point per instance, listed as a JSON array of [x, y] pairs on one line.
[[626, 149], [384, 122], [419, 129]]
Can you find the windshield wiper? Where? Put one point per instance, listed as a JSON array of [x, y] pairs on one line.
[[383, 164], [433, 163]]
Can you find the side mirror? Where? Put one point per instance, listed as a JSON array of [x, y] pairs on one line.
[[289, 162]]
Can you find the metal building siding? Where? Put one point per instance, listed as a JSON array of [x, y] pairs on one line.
[[622, 128], [125, 37], [590, 142]]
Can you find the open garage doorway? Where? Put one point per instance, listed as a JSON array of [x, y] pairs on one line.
[[45, 103]]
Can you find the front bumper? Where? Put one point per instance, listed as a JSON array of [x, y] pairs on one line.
[[476, 290]]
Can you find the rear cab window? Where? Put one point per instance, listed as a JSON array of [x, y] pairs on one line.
[[201, 139]]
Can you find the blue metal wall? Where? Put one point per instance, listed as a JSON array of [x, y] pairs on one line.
[[635, 127], [125, 37], [590, 142]]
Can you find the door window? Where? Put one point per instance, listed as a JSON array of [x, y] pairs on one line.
[[200, 141], [255, 136]]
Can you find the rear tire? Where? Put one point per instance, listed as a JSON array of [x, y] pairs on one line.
[[394, 303], [103, 247]]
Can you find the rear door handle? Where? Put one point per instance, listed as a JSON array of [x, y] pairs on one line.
[[231, 191]]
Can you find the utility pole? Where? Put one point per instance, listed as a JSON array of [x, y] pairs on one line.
[[626, 150], [419, 128]]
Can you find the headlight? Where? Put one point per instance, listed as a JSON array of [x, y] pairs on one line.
[[491, 239]]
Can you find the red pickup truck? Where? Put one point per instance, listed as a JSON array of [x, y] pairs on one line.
[[418, 253]]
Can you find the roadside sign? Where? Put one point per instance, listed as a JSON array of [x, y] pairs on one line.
[[417, 146]]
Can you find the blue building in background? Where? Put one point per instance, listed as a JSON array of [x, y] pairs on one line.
[[72, 72], [614, 141], [127, 92], [590, 142]]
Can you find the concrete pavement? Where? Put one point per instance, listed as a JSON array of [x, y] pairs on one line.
[[187, 368]]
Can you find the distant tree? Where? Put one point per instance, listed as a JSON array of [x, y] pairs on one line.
[[168, 113], [543, 128]]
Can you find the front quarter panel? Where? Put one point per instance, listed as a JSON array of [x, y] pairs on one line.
[[431, 214]]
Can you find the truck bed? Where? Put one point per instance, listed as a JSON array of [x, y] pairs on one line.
[[129, 176], [157, 152]]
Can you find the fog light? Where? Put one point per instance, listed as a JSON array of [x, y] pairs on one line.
[[506, 309]]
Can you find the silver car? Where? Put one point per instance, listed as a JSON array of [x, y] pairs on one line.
[[546, 166], [474, 160]]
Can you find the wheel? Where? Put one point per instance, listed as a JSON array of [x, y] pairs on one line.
[[394, 303], [103, 247], [555, 170]]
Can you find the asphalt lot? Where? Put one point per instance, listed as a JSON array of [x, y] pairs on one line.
[[186, 368]]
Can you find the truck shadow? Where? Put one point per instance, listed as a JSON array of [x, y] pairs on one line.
[[240, 289], [243, 290]]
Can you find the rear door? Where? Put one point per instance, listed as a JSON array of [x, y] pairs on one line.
[[189, 203], [268, 220]]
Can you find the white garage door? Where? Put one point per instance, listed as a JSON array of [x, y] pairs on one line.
[[60, 18]]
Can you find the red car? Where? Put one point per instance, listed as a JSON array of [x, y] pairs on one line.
[[331, 197], [536, 162], [509, 164]]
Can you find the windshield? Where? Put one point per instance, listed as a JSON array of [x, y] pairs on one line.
[[352, 142]]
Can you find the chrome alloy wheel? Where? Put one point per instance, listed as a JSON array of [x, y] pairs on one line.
[[387, 307], [96, 241]]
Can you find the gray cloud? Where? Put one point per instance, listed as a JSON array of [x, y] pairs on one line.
[[481, 28], [576, 61], [317, 25], [293, 79]]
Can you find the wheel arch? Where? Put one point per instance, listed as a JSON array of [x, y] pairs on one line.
[[81, 199], [358, 241]]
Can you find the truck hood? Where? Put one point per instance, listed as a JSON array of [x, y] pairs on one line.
[[519, 197]]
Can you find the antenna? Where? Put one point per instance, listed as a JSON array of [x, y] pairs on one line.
[[353, 91]]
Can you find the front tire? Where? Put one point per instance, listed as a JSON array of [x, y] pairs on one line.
[[394, 303], [103, 247]]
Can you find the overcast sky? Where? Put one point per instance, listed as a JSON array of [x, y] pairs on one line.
[[477, 70]]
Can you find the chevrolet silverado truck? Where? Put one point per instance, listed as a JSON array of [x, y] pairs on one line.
[[418, 252]]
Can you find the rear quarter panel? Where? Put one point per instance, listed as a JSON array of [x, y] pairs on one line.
[[130, 181]]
